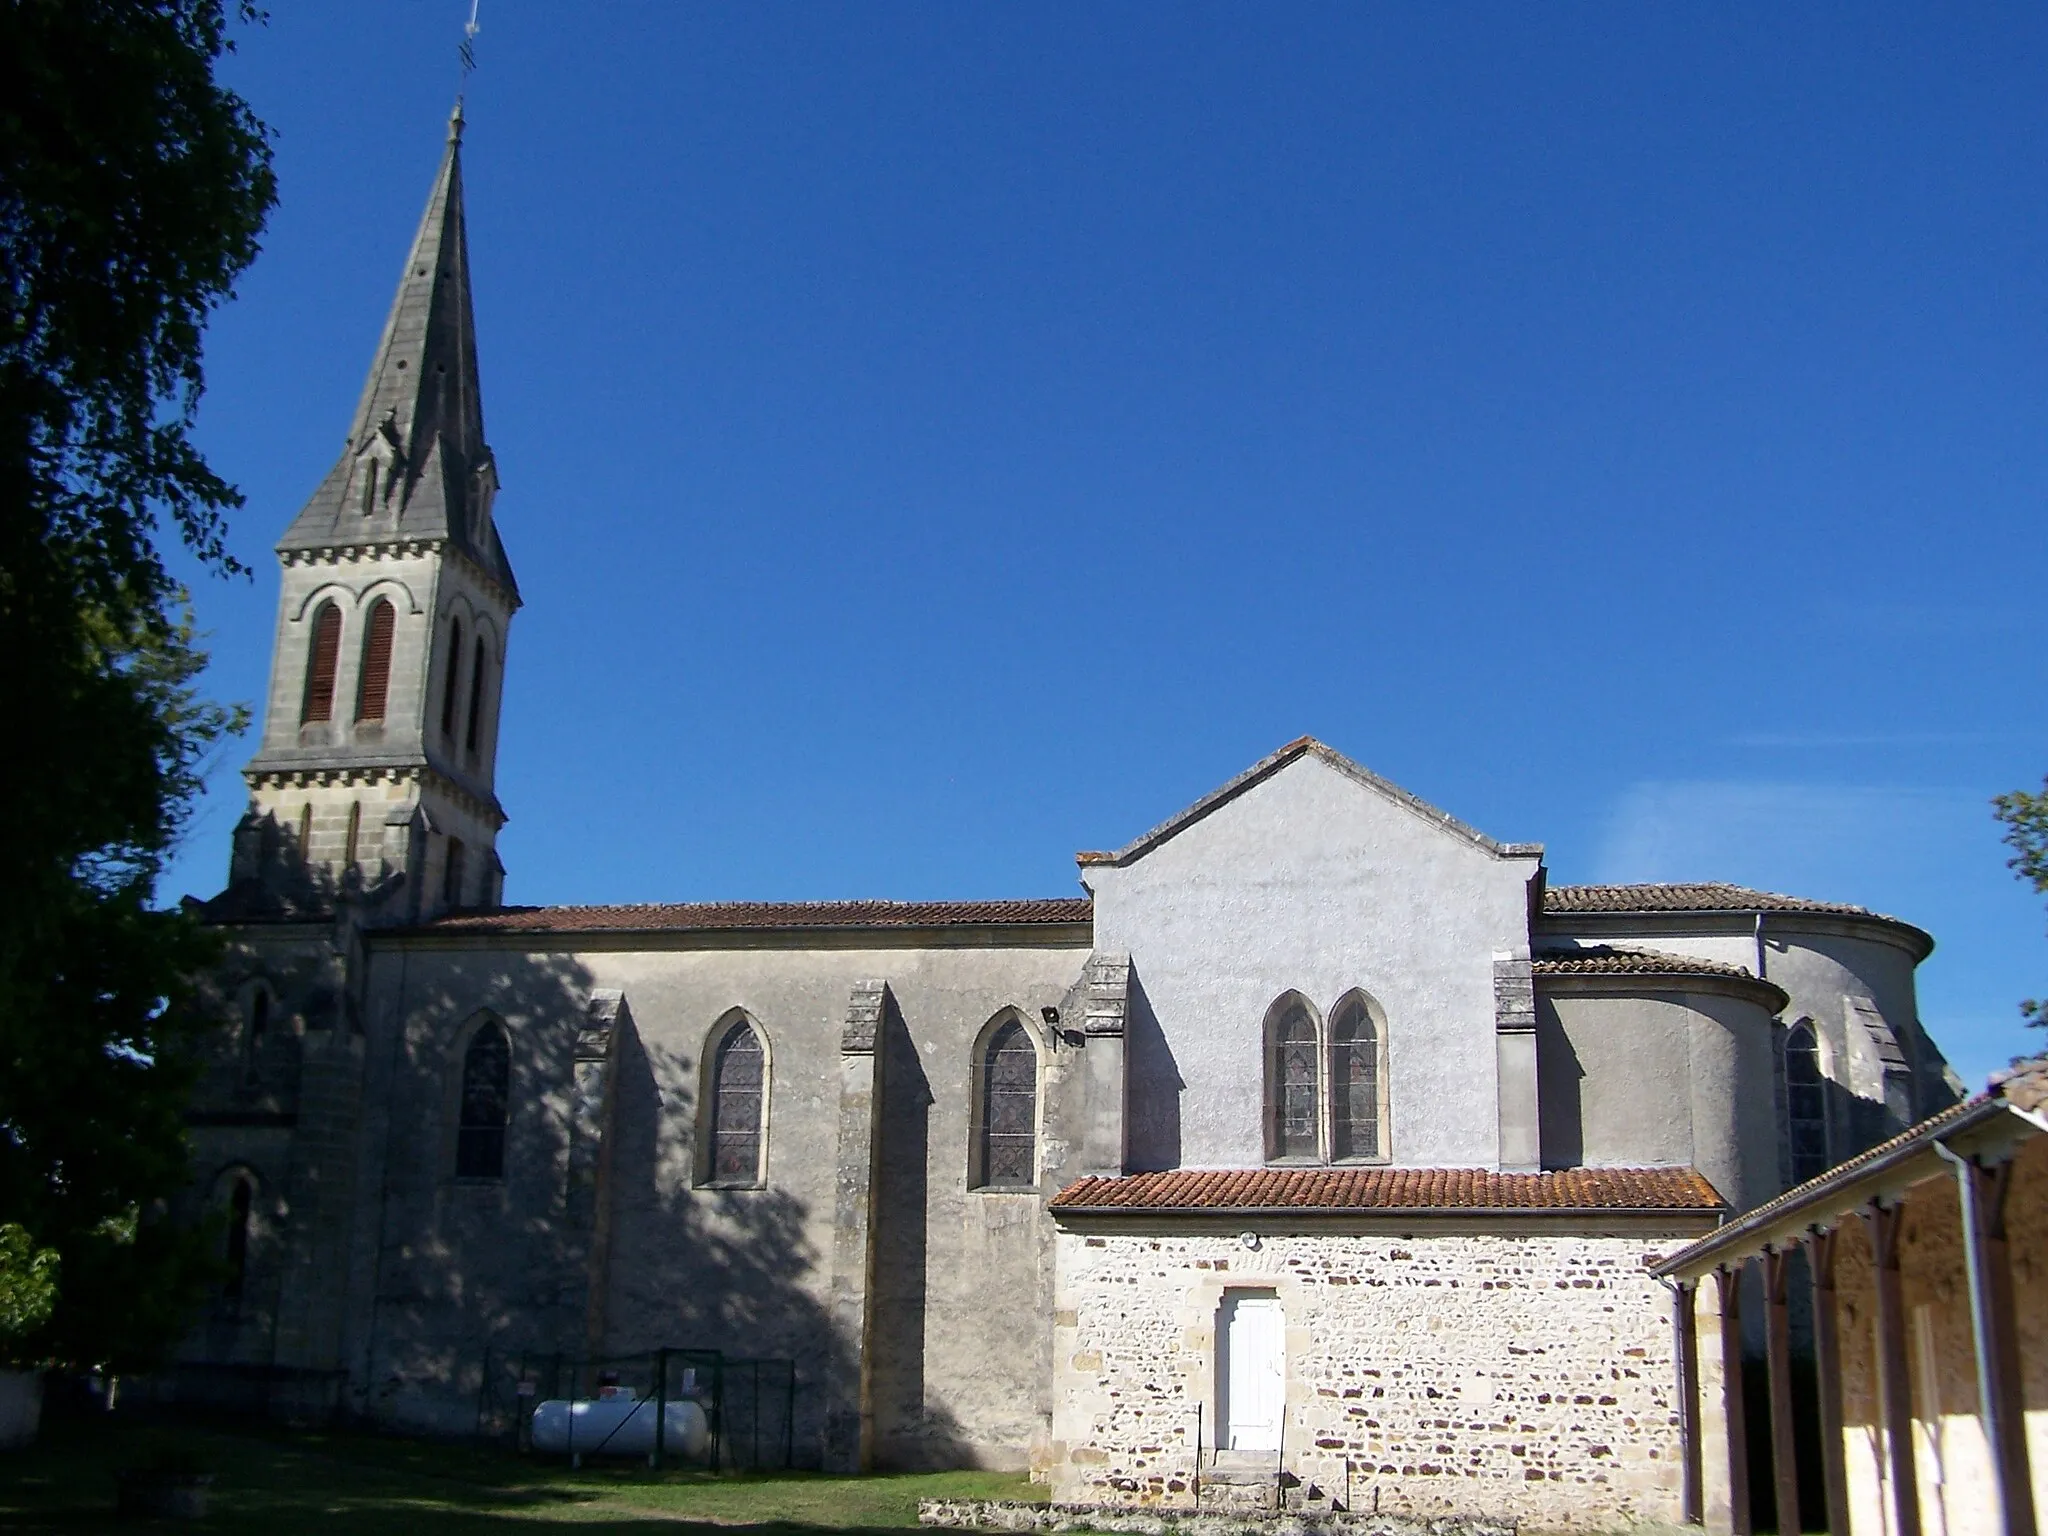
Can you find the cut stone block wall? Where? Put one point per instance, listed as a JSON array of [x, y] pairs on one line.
[[1505, 1374]]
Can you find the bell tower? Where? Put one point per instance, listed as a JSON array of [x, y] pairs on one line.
[[376, 775]]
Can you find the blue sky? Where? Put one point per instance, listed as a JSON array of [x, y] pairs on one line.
[[939, 438]]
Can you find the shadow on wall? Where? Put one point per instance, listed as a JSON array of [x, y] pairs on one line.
[[1559, 1113], [1153, 1086], [595, 1242], [742, 1270], [911, 1430]]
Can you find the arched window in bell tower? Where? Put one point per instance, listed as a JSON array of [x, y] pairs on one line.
[[375, 688], [476, 698], [454, 677], [321, 661]]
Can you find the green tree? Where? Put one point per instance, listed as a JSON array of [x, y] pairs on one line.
[[133, 189], [2026, 832]]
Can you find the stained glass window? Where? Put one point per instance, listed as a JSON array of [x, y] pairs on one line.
[[486, 1104], [1294, 1083], [1009, 1110], [739, 1082], [1354, 1081], [1806, 1104]]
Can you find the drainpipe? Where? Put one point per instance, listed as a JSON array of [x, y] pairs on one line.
[[1760, 946], [1980, 1324]]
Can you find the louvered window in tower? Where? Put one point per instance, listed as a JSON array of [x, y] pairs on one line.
[[486, 1104], [1354, 1081], [1806, 1104], [1293, 1082], [375, 687], [321, 661], [739, 1082], [1009, 1110], [476, 697], [453, 676]]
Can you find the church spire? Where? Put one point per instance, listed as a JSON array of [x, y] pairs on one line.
[[415, 465]]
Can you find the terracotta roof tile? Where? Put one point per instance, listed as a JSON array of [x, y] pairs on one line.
[[719, 915], [1604, 960], [1393, 1189], [1707, 896]]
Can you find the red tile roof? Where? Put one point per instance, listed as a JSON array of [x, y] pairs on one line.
[[1393, 1189], [1603, 960], [1707, 896], [718, 915]]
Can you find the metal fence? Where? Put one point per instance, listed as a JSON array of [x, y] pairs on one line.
[[749, 1405]]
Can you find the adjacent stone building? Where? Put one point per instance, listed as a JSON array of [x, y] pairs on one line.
[[1313, 1152]]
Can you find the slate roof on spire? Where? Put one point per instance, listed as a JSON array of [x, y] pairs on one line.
[[416, 465]]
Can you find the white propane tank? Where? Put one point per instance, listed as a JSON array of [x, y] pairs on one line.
[[618, 1426]]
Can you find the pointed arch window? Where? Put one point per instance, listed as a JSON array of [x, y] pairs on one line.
[[452, 883], [476, 697], [1356, 1132], [452, 678], [739, 1100], [1293, 1083], [241, 1202], [486, 1104], [1806, 1104], [375, 687], [255, 1026], [1008, 1152], [321, 661]]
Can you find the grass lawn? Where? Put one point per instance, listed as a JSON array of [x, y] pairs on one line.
[[277, 1481]]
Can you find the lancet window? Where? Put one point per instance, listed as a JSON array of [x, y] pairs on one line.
[[1293, 1082], [1355, 1130], [486, 1104], [452, 678], [1007, 1155], [1806, 1104], [739, 1100]]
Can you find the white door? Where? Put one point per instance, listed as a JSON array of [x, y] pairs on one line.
[[1254, 1372]]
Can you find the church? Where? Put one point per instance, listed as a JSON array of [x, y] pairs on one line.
[[1318, 1148]]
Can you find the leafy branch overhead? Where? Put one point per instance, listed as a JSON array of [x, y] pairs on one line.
[[133, 191], [2026, 833]]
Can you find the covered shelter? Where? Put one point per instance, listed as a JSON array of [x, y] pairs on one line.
[[1927, 1259]]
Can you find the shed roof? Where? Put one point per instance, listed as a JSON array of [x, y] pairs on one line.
[[1305, 1190]]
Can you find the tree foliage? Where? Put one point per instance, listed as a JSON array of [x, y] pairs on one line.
[[133, 189], [2026, 833]]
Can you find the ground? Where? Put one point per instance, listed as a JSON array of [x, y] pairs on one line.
[[358, 1484]]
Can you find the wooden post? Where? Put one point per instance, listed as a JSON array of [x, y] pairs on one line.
[[1732, 1414], [1894, 1388], [1827, 1362], [1685, 1324], [1778, 1360], [1982, 1193]]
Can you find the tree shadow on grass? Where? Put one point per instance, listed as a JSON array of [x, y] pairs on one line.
[[356, 1484]]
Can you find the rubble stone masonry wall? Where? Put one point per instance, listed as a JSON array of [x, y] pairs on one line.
[[1520, 1374]]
